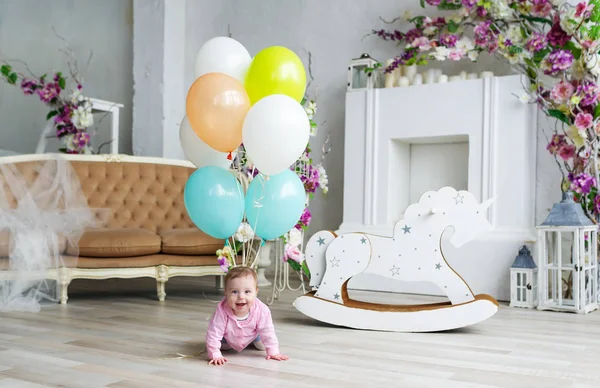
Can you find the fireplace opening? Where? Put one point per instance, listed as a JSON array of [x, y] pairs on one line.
[[417, 165]]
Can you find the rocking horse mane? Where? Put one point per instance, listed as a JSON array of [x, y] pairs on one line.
[[441, 200]]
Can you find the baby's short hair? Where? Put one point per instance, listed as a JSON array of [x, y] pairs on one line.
[[240, 272]]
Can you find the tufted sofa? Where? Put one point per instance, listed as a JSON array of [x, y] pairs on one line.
[[146, 233]]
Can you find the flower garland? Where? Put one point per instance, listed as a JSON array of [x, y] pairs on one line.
[[554, 44]]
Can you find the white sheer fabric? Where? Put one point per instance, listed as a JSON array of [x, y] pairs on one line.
[[36, 213]]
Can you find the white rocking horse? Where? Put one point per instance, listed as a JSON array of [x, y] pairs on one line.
[[412, 254]]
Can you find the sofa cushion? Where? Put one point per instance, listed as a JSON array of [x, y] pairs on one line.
[[116, 242], [5, 243], [189, 241]]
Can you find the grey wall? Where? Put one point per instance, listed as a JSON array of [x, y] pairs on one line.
[[104, 27], [333, 31]]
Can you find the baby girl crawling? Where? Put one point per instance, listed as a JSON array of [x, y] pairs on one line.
[[241, 319]]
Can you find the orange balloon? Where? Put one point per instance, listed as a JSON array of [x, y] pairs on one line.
[[216, 106]]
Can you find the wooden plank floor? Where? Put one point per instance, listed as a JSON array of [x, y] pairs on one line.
[[116, 334]]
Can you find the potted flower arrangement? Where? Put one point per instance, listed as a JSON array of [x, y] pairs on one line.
[[552, 43]]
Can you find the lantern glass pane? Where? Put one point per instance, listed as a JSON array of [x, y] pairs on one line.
[[518, 294], [524, 279], [567, 287], [359, 77], [567, 248], [518, 279]]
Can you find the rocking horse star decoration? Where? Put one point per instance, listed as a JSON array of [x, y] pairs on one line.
[[413, 254]]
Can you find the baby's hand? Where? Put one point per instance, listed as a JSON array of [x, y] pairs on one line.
[[278, 357], [218, 361]]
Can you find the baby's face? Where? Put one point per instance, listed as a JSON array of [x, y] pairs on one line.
[[240, 293]]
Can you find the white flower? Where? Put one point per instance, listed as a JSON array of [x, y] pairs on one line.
[[473, 55], [456, 18], [323, 180], [244, 233], [568, 21], [514, 34], [441, 53], [311, 109], [429, 31], [407, 15], [525, 98], [294, 237], [500, 9]]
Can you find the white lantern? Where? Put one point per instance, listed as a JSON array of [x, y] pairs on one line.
[[567, 259], [358, 76], [523, 280]]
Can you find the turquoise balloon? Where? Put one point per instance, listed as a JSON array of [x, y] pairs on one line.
[[274, 205], [214, 200]]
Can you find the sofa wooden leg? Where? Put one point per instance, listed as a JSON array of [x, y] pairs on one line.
[[160, 290], [64, 279], [219, 282], [162, 276]]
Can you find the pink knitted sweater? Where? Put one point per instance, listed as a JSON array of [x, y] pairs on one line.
[[239, 334]]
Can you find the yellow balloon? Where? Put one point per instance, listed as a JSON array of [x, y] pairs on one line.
[[275, 70]]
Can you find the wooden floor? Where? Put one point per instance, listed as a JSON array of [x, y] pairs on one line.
[[116, 334]]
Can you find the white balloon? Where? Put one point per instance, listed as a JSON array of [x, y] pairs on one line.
[[275, 133], [197, 151], [223, 55]]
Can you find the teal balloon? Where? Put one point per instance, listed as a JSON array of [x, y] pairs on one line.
[[214, 200], [274, 205]]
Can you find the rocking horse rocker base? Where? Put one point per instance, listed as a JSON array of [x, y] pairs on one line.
[[414, 253], [399, 318]]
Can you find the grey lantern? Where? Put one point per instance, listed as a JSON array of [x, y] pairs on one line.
[[567, 259], [523, 280]]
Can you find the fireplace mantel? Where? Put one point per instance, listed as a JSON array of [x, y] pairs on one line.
[[473, 135]]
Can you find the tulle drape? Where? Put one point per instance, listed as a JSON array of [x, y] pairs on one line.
[[38, 209]]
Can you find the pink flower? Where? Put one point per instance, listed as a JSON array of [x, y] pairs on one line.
[[48, 92], [292, 253], [567, 151], [562, 92], [557, 61], [583, 10], [556, 143], [541, 8], [422, 43], [222, 260], [28, 86], [583, 121], [456, 55]]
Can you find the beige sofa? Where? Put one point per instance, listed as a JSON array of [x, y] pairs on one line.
[[148, 233]]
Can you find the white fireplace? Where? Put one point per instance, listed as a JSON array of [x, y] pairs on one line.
[[473, 135]]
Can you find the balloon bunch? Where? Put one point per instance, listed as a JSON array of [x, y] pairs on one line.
[[255, 102]]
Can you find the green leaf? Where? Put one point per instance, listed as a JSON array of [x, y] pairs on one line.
[[63, 150], [62, 83], [51, 114], [559, 115], [422, 2], [5, 69], [305, 269], [573, 49], [295, 266], [12, 78], [597, 111], [534, 19], [540, 55], [515, 50], [446, 5], [452, 26]]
